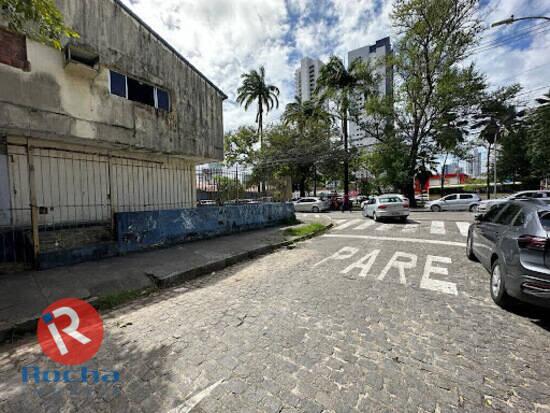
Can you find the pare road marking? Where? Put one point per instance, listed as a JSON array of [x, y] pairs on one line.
[[401, 239], [400, 261], [364, 225]]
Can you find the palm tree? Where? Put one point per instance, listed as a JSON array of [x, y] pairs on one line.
[[496, 117], [344, 87], [309, 117], [254, 88]]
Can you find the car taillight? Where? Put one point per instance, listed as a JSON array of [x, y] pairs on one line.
[[532, 242], [406, 204], [382, 206]]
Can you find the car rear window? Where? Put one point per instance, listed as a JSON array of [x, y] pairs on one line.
[[508, 214], [544, 217], [466, 196], [390, 199]]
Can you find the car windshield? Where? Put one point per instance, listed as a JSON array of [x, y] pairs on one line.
[[390, 199]]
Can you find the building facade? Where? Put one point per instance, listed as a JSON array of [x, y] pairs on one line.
[[305, 78], [473, 165], [376, 53], [116, 121]]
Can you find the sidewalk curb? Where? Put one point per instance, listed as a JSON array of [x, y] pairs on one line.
[[9, 331], [178, 277]]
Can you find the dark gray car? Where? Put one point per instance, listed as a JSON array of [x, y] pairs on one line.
[[511, 240]]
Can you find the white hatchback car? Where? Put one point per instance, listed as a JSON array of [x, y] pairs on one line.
[[387, 206], [311, 204], [455, 202]]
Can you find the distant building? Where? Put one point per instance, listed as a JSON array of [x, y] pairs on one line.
[[306, 77], [435, 182], [473, 165], [378, 51], [453, 168]]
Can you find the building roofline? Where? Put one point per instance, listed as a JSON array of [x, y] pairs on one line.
[[168, 45]]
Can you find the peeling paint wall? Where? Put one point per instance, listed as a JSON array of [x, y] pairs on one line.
[[52, 102]]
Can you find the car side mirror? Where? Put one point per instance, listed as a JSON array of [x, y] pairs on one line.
[[479, 217]]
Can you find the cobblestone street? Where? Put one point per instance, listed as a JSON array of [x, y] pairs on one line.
[[410, 326]]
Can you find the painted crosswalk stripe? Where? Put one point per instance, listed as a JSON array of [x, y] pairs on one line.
[[463, 227], [410, 228], [365, 225], [348, 224], [438, 227], [337, 222], [385, 227]]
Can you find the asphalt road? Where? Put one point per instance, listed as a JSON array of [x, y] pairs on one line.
[[367, 318]]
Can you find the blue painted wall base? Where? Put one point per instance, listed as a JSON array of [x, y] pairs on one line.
[[149, 229]]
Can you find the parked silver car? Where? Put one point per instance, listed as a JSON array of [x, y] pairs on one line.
[[512, 242], [311, 204], [455, 202], [387, 206], [484, 206]]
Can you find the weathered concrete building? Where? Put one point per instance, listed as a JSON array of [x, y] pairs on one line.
[[116, 121]]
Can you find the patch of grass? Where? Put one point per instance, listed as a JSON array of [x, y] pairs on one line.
[[107, 302], [304, 230]]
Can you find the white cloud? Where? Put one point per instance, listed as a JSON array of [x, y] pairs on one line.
[[224, 38]]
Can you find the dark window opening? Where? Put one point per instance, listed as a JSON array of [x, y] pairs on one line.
[[163, 100], [118, 84], [141, 92]]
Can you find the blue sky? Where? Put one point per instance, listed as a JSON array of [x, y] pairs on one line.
[[224, 38]]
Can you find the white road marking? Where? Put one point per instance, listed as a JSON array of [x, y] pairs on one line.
[[463, 227], [385, 227], [365, 225], [348, 224], [402, 239], [337, 222], [437, 285], [342, 254], [364, 267], [410, 228], [438, 227], [190, 403], [400, 265], [317, 216]]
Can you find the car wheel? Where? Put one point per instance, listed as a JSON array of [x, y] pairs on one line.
[[498, 289], [315, 209], [470, 247], [375, 217], [435, 208], [473, 208], [403, 219]]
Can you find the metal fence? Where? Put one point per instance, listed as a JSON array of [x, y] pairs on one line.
[[53, 199], [217, 186]]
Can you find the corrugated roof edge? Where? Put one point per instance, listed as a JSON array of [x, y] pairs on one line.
[[168, 45]]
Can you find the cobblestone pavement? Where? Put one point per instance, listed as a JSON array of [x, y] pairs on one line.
[[368, 318]]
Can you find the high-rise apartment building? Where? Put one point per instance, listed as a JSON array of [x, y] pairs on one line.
[[306, 78], [473, 165], [373, 53]]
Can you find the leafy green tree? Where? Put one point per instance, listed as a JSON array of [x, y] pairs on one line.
[[342, 87], [513, 161], [435, 37], [538, 148], [254, 88], [496, 117], [229, 188], [39, 19], [238, 146], [385, 162]]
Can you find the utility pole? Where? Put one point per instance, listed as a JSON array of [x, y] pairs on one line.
[[513, 19]]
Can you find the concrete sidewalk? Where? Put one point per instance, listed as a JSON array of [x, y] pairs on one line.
[[24, 295]]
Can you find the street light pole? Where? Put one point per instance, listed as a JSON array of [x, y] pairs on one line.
[[513, 19]]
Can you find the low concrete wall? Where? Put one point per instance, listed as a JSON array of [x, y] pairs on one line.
[[149, 229]]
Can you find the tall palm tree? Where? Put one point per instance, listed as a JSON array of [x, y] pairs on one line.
[[344, 87], [254, 88], [309, 117]]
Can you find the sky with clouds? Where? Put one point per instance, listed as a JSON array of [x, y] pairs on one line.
[[224, 38]]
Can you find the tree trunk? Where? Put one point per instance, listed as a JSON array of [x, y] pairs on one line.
[[302, 186], [314, 180], [443, 175], [346, 160], [489, 171]]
